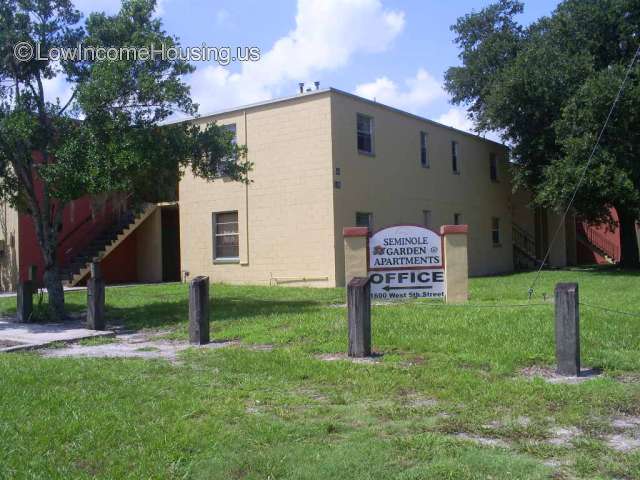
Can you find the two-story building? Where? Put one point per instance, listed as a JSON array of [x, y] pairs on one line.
[[322, 160], [325, 160]]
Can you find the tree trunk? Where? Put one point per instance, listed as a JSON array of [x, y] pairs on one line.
[[629, 254], [53, 284]]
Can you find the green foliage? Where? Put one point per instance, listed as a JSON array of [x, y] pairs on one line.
[[112, 135], [548, 88]]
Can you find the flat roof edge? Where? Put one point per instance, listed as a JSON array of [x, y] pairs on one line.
[[298, 96]]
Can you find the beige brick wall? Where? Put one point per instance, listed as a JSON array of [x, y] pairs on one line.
[[149, 248], [285, 213], [393, 185], [9, 260]]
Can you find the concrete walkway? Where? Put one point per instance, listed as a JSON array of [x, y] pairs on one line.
[[27, 336]]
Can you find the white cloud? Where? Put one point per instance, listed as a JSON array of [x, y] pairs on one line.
[[56, 87], [418, 92], [456, 118], [327, 34]]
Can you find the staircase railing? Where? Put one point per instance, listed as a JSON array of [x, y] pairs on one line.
[[86, 230], [524, 241], [600, 241]]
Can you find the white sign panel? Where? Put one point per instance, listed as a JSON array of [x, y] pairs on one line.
[[405, 261], [402, 284]]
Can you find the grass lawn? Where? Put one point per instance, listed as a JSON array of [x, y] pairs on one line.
[[446, 399]]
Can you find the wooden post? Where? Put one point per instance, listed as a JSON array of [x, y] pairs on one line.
[[199, 310], [567, 329], [456, 262], [359, 314], [95, 299], [24, 300]]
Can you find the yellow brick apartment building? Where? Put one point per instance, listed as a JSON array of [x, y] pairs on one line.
[[327, 159]]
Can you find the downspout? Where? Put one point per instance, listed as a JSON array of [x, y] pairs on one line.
[[245, 261]]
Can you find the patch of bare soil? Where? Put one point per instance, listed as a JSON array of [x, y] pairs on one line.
[[258, 347], [623, 443], [480, 440], [375, 358], [549, 375], [563, 436], [148, 345]]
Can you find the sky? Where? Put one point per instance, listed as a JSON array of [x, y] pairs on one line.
[[393, 51]]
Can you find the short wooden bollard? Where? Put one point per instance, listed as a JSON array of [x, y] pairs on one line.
[[199, 310], [95, 299], [24, 301], [359, 314], [567, 329]]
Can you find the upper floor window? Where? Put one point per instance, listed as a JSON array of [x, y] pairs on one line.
[[455, 157], [364, 219], [365, 133], [226, 241], [495, 230], [493, 167], [424, 151], [457, 219]]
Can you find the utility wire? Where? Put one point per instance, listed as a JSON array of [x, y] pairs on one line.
[[611, 310], [584, 172]]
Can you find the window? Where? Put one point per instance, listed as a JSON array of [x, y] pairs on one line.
[[455, 160], [225, 236], [493, 167], [426, 218], [364, 219], [365, 133], [495, 231], [457, 219], [424, 152]]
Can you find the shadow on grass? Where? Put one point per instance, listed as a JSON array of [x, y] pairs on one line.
[[159, 314]]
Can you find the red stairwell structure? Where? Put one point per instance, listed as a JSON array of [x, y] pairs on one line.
[[598, 244]]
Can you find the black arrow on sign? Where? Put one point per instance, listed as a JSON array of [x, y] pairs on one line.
[[387, 288]]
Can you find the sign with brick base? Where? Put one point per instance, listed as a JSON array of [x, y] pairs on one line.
[[406, 261], [409, 261]]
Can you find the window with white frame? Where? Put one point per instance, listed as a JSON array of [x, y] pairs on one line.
[[426, 218], [364, 219], [424, 149], [226, 240], [455, 157], [365, 133], [493, 167], [495, 231]]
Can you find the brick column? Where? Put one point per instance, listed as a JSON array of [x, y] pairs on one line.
[[456, 262], [355, 252]]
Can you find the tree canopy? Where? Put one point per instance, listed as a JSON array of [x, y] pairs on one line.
[[548, 88], [111, 134]]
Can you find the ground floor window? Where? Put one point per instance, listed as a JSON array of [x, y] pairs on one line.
[[226, 241], [495, 230], [364, 219]]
